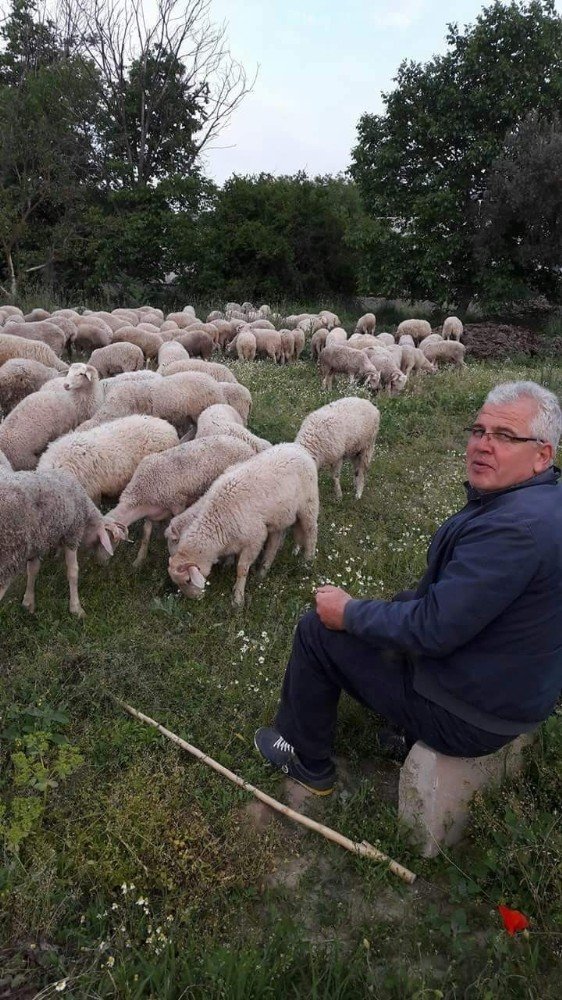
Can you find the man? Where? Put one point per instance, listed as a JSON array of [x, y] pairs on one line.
[[473, 656]]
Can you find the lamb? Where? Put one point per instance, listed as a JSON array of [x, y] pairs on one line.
[[116, 359], [250, 506], [19, 377], [48, 333], [197, 343], [104, 458], [219, 372], [39, 512], [336, 336], [452, 328], [340, 359], [413, 359], [366, 323], [318, 342], [346, 428], [149, 343], [44, 416], [417, 328], [391, 375], [34, 350], [163, 485], [246, 346], [448, 350]]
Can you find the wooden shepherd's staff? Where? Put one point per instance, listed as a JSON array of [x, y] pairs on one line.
[[364, 849]]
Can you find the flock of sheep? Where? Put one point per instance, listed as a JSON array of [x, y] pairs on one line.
[[173, 444]]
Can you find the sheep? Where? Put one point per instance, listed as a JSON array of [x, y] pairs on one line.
[[219, 372], [386, 339], [149, 343], [215, 314], [35, 350], [447, 350], [299, 341], [360, 341], [67, 325], [287, 346], [113, 322], [181, 319], [417, 328], [224, 419], [164, 484], [413, 359], [48, 333], [366, 323], [246, 346], [169, 326], [248, 507], [11, 311], [104, 458], [127, 314], [197, 343], [265, 311], [225, 332], [44, 416], [452, 328], [36, 315], [391, 375], [336, 336], [318, 342], [116, 359], [346, 428], [261, 324], [268, 343], [39, 512], [147, 327], [406, 340], [328, 319], [434, 338], [170, 352], [89, 336], [19, 378], [247, 307], [340, 359]]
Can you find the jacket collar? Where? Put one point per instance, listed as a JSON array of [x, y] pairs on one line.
[[547, 478]]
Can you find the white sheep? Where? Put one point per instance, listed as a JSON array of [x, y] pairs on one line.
[[360, 341], [223, 419], [340, 360], [90, 336], [39, 512], [115, 359], [246, 345], [406, 340], [299, 340], [417, 328], [452, 328], [35, 350], [366, 323], [447, 350], [44, 416], [413, 359], [318, 342], [344, 429], [19, 377], [434, 338], [336, 336], [246, 509], [104, 458], [149, 343], [164, 484], [287, 346], [216, 371], [43, 331], [386, 339], [328, 319], [391, 376]]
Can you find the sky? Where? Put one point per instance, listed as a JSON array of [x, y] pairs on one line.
[[322, 64]]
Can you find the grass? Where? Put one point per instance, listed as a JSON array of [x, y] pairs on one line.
[[130, 870]]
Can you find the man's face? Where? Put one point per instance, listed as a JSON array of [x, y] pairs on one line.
[[492, 464]]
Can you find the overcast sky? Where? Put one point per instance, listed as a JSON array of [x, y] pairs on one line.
[[322, 63]]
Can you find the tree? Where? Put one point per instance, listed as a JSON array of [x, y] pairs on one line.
[[423, 165], [518, 238], [167, 87]]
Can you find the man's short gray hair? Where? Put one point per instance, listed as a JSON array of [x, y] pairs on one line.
[[547, 422]]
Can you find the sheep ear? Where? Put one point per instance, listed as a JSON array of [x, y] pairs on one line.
[[118, 532], [88, 374], [196, 577], [105, 541]]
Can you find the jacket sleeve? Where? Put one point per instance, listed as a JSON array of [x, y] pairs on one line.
[[491, 565]]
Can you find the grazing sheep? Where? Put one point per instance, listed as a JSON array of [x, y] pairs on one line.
[[299, 340], [366, 323], [129, 315], [197, 343], [36, 315], [104, 458], [44, 416], [360, 341], [19, 347], [246, 346], [417, 328], [225, 332], [19, 377], [406, 340], [336, 336], [149, 343], [219, 372], [268, 343], [249, 507], [391, 375], [386, 339], [344, 360], [287, 346], [318, 342], [170, 352], [346, 428], [89, 336], [39, 512], [181, 319], [434, 338], [163, 485], [47, 333], [447, 350], [116, 359], [328, 319], [265, 311], [452, 328], [223, 419], [261, 324], [413, 359], [215, 314]]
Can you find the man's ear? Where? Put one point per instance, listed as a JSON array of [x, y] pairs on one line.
[[545, 458]]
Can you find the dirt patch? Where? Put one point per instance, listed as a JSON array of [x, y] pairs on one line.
[[486, 341]]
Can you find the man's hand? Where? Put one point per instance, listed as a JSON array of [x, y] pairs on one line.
[[330, 604]]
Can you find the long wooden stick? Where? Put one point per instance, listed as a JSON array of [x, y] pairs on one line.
[[364, 848]]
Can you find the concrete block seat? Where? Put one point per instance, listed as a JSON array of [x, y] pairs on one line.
[[434, 790]]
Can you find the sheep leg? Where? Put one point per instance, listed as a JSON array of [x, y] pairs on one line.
[[246, 558], [33, 567], [307, 533], [335, 470], [71, 559], [272, 546], [143, 551]]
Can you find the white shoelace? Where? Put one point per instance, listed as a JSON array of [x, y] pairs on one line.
[[282, 745]]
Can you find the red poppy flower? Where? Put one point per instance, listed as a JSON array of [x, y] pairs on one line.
[[513, 920]]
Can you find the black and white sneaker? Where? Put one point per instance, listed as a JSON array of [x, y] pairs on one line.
[[281, 755]]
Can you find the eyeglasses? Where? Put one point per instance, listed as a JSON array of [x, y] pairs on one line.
[[501, 436]]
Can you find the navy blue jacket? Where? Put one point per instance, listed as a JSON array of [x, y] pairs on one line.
[[483, 629]]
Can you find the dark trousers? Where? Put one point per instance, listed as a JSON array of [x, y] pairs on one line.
[[324, 663]]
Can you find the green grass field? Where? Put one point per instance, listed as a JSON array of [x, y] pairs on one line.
[[128, 869]]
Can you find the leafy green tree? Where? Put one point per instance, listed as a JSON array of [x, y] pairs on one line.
[[518, 238], [422, 166]]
